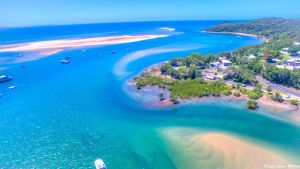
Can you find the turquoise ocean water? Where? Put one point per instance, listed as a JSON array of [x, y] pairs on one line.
[[66, 116]]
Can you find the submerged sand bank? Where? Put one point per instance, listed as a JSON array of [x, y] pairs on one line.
[[219, 150], [73, 43]]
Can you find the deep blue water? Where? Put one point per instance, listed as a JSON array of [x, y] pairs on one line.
[[66, 116]]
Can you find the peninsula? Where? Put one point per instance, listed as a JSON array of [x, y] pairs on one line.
[[266, 73]]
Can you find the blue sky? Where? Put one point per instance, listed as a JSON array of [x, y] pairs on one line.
[[45, 12]]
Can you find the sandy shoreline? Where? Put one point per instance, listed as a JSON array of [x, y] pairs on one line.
[[284, 111], [239, 34], [73, 43]]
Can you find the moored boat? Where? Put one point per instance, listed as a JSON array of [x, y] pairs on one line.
[[4, 78], [99, 164], [64, 61], [12, 87]]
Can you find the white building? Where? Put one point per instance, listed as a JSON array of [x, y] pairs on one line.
[[293, 62], [276, 60], [297, 43], [285, 51], [280, 66], [226, 62], [251, 57], [209, 77], [215, 64]]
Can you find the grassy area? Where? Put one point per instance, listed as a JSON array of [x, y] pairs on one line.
[[147, 79], [184, 89]]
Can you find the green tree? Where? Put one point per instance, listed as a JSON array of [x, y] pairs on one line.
[[227, 92], [294, 102], [277, 97], [236, 94], [269, 89], [251, 104]]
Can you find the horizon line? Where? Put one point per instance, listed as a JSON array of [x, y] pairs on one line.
[[180, 20], [92, 23]]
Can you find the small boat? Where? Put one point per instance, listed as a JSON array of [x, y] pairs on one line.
[[12, 87], [113, 52], [99, 164], [64, 61], [4, 78]]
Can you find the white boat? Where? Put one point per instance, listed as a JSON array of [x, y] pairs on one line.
[[12, 87], [99, 164], [64, 61], [4, 78], [167, 29]]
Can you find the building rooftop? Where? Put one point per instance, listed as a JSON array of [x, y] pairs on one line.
[[226, 61]]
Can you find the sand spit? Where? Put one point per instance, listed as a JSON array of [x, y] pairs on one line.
[[73, 43]]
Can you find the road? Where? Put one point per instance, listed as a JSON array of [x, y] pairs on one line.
[[277, 87]]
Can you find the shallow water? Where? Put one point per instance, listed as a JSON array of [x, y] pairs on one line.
[[66, 116]]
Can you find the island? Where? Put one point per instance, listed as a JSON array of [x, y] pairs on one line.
[[267, 73]]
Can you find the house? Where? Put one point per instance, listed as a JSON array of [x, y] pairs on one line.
[[280, 66], [275, 60], [222, 58], [215, 64], [251, 57], [175, 68], [221, 76], [226, 62], [293, 62], [285, 51], [296, 68], [210, 77], [290, 61]]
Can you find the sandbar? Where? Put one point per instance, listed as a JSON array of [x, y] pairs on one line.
[[74, 43]]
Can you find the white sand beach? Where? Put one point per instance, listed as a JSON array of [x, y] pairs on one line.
[[73, 43], [233, 33], [239, 34]]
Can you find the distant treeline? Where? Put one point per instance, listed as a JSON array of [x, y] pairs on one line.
[[271, 28], [282, 33]]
